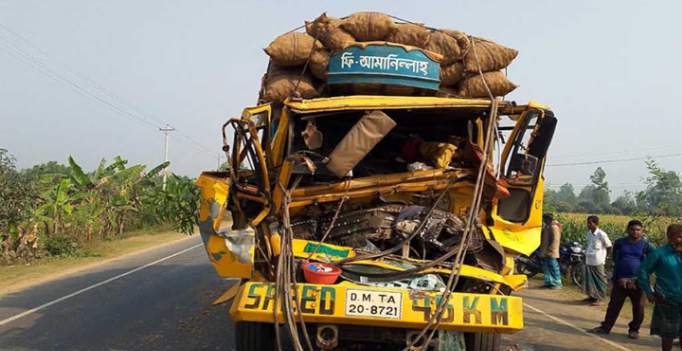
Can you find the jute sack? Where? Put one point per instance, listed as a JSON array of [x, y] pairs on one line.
[[445, 45], [368, 26], [328, 30], [491, 56], [462, 40], [319, 60], [282, 84], [359, 141], [451, 74], [410, 34], [473, 86], [291, 49]]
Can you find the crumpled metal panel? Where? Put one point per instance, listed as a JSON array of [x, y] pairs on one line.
[[231, 252]]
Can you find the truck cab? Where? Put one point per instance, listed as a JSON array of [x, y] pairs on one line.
[[388, 190]]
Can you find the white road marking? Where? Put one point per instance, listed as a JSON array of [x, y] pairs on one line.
[[573, 326], [96, 285]]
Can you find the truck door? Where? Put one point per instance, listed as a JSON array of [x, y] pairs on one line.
[[230, 245], [518, 217]]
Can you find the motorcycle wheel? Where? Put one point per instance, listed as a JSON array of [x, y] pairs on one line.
[[522, 268], [578, 275]]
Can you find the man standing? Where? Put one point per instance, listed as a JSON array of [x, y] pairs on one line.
[[666, 263], [628, 253], [549, 251], [598, 247]]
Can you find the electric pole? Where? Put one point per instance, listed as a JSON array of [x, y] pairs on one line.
[[166, 133]]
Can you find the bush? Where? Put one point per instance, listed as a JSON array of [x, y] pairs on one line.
[[61, 246]]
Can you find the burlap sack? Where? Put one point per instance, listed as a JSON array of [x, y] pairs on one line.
[[410, 34], [462, 40], [328, 30], [451, 74], [445, 45], [281, 85], [491, 56], [291, 49], [368, 26], [473, 86], [359, 141], [319, 61]]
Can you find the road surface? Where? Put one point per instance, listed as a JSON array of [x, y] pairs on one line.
[[161, 300]]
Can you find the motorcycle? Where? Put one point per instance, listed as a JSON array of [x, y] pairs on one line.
[[571, 263]]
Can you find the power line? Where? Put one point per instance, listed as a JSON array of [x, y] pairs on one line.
[[118, 105], [618, 160]]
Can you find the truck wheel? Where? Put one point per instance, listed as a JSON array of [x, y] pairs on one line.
[[250, 336], [482, 341]]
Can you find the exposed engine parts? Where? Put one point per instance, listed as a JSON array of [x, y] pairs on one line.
[[376, 228]]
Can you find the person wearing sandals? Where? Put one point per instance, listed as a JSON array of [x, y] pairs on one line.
[[598, 247], [628, 254]]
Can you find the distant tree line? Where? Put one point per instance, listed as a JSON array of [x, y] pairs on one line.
[[661, 197]]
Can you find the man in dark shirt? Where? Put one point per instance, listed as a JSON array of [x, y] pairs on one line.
[[628, 253], [666, 263]]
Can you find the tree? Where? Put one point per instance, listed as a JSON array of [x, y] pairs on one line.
[[625, 204], [16, 195], [595, 197], [663, 194]]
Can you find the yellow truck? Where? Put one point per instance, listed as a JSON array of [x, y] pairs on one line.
[[419, 203]]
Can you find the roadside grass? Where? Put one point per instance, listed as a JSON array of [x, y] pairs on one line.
[[17, 276]]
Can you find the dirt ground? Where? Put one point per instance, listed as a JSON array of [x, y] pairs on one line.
[[557, 320]]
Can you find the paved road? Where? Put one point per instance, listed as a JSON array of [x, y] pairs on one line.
[[165, 304]]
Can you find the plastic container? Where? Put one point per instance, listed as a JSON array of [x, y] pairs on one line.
[[320, 273]]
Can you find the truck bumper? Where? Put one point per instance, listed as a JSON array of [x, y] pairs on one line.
[[348, 303]]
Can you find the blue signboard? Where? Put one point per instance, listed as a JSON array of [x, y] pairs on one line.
[[384, 64]]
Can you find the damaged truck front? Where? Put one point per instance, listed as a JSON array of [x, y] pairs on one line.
[[377, 222]]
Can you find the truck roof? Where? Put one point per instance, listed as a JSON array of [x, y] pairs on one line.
[[364, 102]]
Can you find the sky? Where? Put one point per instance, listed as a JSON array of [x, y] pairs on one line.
[[95, 79]]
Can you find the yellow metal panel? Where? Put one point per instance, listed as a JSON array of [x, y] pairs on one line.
[[327, 304], [230, 252], [521, 237], [361, 102]]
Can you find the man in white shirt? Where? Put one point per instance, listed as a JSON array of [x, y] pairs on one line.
[[598, 247]]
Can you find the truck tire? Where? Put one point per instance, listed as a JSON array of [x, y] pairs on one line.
[[251, 336], [482, 341]]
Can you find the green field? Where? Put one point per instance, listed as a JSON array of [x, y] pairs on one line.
[[574, 228]]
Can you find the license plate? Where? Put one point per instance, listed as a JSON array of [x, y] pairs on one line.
[[368, 303]]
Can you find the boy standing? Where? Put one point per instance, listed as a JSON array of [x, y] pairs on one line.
[[666, 263], [628, 253], [598, 247]]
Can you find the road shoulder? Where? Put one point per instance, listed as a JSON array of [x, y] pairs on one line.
[[557, 320], [20, 277]]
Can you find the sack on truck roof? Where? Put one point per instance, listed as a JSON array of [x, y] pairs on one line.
[[283, 84], [319, 60], [328, 30], [291, 49], [459, 55], [451, 74], [445, 45], [410, 34], [368, 26], [473, 87], [490, 55]]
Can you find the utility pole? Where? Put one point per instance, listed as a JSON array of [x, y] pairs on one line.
[[166, 132]]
